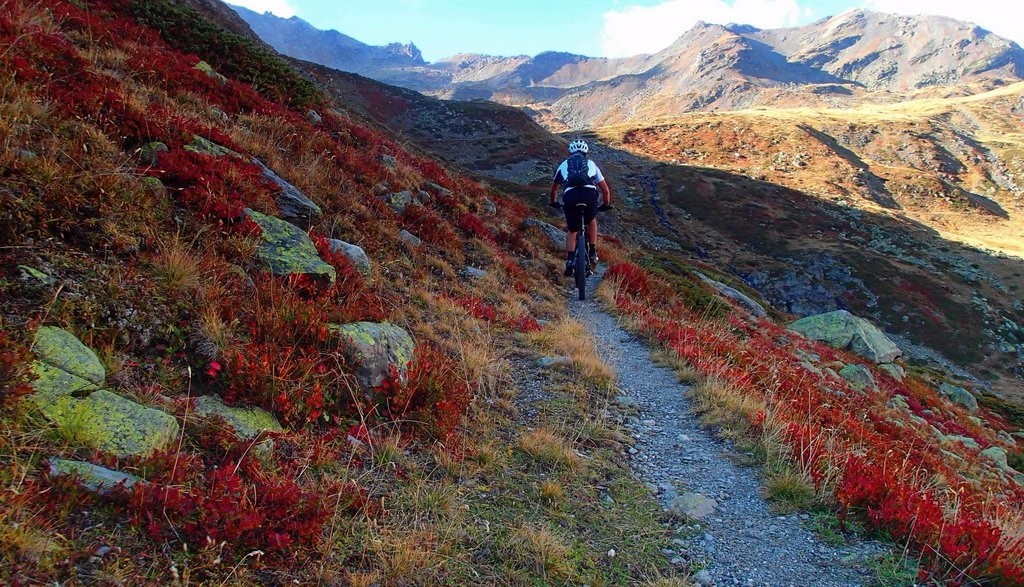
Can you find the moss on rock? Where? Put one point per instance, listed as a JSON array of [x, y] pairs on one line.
[[247, 422], [63, 350], [374, 347], [288, 250]]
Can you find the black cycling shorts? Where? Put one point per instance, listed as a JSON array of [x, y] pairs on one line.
[[575, 217]]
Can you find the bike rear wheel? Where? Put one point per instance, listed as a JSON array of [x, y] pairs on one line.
[[581, 263]]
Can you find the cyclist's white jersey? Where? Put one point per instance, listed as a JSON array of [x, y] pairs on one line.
[[592, 170]]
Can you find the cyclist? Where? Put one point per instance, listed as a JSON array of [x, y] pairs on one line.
[[581, 181]]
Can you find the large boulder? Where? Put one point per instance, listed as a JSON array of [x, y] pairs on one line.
[[959, 395], [294, 204], [247, 423], [755, 309], [843, 330], [859, 377], [288, 250], [374, 348], [67, 394], [556, 235], [111, 423], [355, 253]]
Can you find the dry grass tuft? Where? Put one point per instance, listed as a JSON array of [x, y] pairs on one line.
[[684, 371], [549, 447], [552, 491], [212, 335], [540, 549], [725, 407], [178, 266], [570, 338]]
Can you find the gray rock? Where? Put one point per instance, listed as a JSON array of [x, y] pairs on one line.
[[964, 440], [959, 395], [93, 478], [557, 236], [424, 197], [398, 201], [150, 152], [894, 371], [553, 361], [389, 161], [409, 238], [755, 309], [693, 505], [703, 578], [473, 273], [997, 455], [294, 204], [288, 250], [355, 253], [374, 348], [489, 207], [313, 116], [859, 377], [438, 189], [843, 330]]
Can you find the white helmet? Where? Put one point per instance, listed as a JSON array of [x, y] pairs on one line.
[[579, 145]]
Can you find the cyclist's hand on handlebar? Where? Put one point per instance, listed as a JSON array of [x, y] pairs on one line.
[[604, 207], [555, 205]]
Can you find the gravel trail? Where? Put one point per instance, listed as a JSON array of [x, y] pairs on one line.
[[739, 539]]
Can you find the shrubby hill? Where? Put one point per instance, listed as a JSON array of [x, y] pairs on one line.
[[265, 323]]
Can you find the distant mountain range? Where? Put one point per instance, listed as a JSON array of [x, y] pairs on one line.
[[855, 57]]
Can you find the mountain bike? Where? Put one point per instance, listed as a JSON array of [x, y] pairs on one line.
[[581, 261]]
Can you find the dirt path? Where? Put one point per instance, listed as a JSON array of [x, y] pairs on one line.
[[740, 542]]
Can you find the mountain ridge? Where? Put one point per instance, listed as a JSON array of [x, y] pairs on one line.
[[854, 57]]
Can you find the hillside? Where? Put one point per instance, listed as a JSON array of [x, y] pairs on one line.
[[265, 323], [852, 58]]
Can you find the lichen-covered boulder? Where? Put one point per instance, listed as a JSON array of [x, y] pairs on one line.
[[288, 250], [52, 382], [859, 377], [111, 423], [92, 477], [210, 72], [398, 201], [843, 330], [894, 371], [294, 204], [355, 253], [63, 350], [248, 423], [207, 147], [959, 395], [997, 455], [755, 309], [374, 348], [149, 153], [557, 236]]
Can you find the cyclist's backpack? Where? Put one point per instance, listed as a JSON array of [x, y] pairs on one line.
[[578, 172]]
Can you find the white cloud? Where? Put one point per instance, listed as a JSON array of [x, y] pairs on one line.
[[995, 15], [278, 7], [639, 29]]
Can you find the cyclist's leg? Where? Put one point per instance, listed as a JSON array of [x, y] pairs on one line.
[[590, 217], [574, 224]]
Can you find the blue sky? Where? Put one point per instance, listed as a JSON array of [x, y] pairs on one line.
[[608, 28]]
